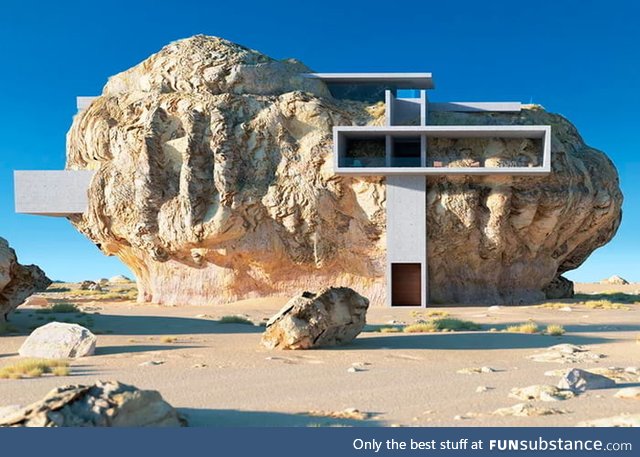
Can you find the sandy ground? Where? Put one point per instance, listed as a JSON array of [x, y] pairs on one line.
[[217, 374]]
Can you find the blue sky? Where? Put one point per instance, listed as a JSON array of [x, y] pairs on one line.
[[577, 58]]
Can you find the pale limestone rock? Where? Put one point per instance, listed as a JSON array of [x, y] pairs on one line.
[[332, 317], [540, 392], [616, 280], [57, 340], [631, 393], [214, 183], [475, 370], [565, 353], [527, 409], [578, 381], [623, 420], [104, 404], [17, 282]]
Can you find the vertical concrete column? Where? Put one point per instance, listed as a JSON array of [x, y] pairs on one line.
[[406, 227]]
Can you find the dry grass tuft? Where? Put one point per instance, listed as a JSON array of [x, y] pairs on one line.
[[389, 330], [169, 339], [605, 304], [555, 330], [527, 327], [446, 324], [34, 368], [235, 320], [60, 308]]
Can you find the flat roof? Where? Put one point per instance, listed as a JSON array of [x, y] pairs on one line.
[[395, 80]]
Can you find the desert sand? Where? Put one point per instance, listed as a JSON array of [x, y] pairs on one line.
[[218, 374]]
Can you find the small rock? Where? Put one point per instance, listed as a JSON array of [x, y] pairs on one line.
[[527, 410], [476, 370], [494, 308], [458, 418], [481, 389], [565, 353], [540, 392], [578, 381], [199, 365], [632, 393], [566, 309], [58, 340], [151, 363], [623, 420], [354, 370]]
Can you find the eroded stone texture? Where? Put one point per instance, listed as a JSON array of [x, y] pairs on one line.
[[17, 282], [103, 404], [333, 316], [214, 183]]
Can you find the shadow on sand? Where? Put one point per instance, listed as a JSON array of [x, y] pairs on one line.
[[110, 350], [236, 418], [471, 340], [143, 325]]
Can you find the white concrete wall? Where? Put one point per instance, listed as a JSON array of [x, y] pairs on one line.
[[407, 226], [52, 193]]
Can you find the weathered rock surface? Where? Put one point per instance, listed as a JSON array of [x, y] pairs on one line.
[[578, 381], [526, 410], [58, 340], [214, 183], [104, 404], [617, 280], [542, 392], [565, 353], [332, 317], [17, 282], [90, 285], [559, 287], [623, 420], [630, 393]]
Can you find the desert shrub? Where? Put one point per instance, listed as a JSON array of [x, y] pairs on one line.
[[60, 308], [456, 325], [389, 330], [34, 368], [554, 330], [527, 327], [169, 339], [605, 304], [235, 320]]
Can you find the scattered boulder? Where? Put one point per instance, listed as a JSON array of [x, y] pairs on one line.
[[526, 410], [578, 381], [630, 393], [334, 316], [623, 420], [103, 404], [90, 285], [559, 287], [58, 340], [119, 279], [615, 279], [565, 353], [541, 392], [17, 282]]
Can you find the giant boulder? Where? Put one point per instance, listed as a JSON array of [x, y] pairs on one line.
[[17, 282], [214, 182]]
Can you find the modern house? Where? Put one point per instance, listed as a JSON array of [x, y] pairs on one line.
[[406, 151]]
